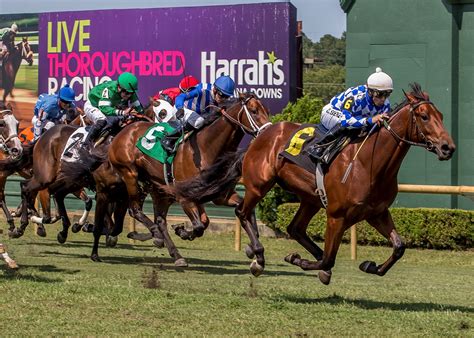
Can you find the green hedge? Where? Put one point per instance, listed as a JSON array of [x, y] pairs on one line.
[[420, 227]]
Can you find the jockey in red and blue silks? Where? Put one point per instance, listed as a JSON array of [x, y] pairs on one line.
[[51, 110], [170, 94], [197, 102]]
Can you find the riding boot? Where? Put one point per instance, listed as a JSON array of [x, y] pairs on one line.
[[95, 131], [318, 151], [169, 140]]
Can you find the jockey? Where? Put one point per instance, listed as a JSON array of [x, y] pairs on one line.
[[111, 98], [51, 110], [7, 40], [360, 106], [197, 101], [185, 85]]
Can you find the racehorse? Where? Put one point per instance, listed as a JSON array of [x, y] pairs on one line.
[[22, 165], [50, 172], [370, 189], [246, 114], [11, 64]]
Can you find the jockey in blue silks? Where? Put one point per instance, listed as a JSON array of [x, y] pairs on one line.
[[197, 102], [51, 110]]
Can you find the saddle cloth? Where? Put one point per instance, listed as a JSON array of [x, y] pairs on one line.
[[150, 142], [73, 144], [303, 143]]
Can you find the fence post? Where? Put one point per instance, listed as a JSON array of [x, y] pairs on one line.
[[238, 234], [353, 242]]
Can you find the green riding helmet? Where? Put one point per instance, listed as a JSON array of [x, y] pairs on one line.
[[128, 81]]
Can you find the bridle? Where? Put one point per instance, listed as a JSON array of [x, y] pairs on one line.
[[12, 134], [427, 144], [254, 129]]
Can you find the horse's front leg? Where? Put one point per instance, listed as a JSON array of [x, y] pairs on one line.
[[384, 224], [3, 204], [59, 198], [297, 230], [28, 190]]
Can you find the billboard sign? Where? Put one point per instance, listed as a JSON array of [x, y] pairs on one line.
[[253, 43]]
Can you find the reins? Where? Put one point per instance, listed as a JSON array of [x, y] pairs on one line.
[[254, 129], [427, 144]]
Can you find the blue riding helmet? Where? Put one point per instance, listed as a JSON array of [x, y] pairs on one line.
[[225, 84], [67, 94]]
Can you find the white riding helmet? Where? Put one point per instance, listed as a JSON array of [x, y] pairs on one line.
[[14, 28], [379, 81]]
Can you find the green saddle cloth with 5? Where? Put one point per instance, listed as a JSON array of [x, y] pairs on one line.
[[150, 142]]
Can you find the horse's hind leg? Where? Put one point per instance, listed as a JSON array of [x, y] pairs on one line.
[[199, 220], [28, 193], [59, 197], [384, 224], [297, 230], [81, 194], [101, 208], [3, 204]]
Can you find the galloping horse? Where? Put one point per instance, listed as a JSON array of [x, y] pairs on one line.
[[246, 114], [49, 172], [11, 64], [370, 189]]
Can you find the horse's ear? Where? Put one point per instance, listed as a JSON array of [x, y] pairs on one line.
[[150, 99], [426, 95], [409, 97], [242, 95], [24, 39]]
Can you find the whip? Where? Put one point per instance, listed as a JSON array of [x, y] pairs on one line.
[[349, 168]]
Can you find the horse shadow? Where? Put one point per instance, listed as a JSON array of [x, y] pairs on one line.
[[367, 304], [15, 275]]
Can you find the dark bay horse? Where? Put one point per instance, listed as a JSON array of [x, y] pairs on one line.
[[11, 64], [143, 174], [367, 194], [59, 177]]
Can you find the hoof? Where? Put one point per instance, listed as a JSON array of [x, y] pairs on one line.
[[96, 258], [76, 227], [61, 238], [88, 227], [249, 251], [181, 263], [255, 268], [15, 233], [292, 257], [159, 243], [41, 231], [11, 264], [369, 267], [325, 277], [111, 241], [139, 236]]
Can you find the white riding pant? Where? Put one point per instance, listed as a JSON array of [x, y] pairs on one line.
[[93, 113], [193, 118], [39, 125], [330, 116]]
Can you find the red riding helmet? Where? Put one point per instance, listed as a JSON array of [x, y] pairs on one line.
[[188, 83]]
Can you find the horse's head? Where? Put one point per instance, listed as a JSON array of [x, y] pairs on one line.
[[160, 110], [426, 124], [248, 112], [25, 50], [9, 140]]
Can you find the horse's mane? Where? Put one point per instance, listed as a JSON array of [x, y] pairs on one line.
[[215, 113], [415, 92]]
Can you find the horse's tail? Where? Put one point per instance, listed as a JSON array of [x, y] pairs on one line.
[[212, 181]]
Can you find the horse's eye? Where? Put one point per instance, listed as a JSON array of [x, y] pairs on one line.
[[424, 117]]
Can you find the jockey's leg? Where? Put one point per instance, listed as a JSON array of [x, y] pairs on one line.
[[37, 127], [94, 132]]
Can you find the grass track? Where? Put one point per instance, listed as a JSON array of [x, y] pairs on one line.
[[60, 291]]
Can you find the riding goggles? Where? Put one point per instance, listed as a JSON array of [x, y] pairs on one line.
[[221, 94], [382, 93]]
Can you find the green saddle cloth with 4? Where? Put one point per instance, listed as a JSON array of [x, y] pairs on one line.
[[150, 142]]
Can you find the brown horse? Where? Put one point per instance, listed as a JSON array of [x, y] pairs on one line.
[[59, 177], [142, 174], [11, 64], [370, 189]]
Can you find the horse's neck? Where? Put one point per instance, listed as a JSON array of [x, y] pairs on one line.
[[219, 137], [386, 151]]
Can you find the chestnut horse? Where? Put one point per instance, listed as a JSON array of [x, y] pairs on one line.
[[143, 174], [367, 194], [11, 64]]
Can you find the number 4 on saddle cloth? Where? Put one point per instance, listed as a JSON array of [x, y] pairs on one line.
[[304, 148]]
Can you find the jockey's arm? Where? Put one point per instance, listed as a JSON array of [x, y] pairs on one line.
[[179, 102], [135, 103]]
